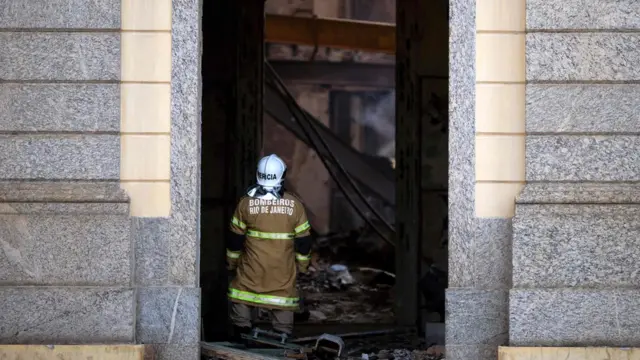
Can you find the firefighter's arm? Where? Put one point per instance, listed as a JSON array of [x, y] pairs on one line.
[[303, 242], [235, 242]]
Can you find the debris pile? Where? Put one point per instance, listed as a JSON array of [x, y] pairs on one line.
[[335, 293], [400, 347], [404, 354]]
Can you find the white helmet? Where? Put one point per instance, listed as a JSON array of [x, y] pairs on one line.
[[271, 171]]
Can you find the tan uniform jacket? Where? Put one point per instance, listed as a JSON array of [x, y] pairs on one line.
[[266, 267]]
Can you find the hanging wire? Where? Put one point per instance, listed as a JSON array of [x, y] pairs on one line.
[[304, 121]]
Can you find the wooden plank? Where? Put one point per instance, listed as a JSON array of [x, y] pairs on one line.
[[336, 73], [567, 353], [72, 352], [226, 352], [336, 33]]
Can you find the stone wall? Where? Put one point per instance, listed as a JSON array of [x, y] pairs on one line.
[[575, 230], [84, 110]]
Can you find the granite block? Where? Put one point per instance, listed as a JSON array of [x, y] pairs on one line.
[[60, 14], [472, 352], [60, 157], [492, 254], [184, 245], [476, 317], [62, 191], [73, 56], [557, 246], [173, 351], [583, 158], [25, 208], [583, 14], [462, 77], [593, 108], [582, 56], [580, 193], [60, 107], [66, 315], [168, 315], [65, 249], [574, 317], [151, 236]]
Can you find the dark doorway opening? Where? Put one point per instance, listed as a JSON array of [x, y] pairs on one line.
[[414, 145]]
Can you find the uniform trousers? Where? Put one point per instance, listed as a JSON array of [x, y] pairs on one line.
[[281, 320]]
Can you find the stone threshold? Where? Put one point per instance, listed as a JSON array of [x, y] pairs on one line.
[[567, 353], [72, 352]]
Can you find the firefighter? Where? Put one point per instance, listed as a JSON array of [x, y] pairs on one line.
[[270, 242]]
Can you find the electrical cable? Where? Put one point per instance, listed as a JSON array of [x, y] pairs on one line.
[[326, 146], [308, 122]]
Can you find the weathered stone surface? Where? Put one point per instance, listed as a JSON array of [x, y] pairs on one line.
[[472, 352], [60, 107], [152, 250], [583, 56], [580, 193], [168, 315], [60, 14], [59, 156], [574, 317], [587, 158], [557, 246], [583, 14], [491, 261], [185, 143], [173, 351], [461, 141], [66, 315], [476, 317], [59, 56], [64, 249], [62, 191], [592, 108], [23, 208]]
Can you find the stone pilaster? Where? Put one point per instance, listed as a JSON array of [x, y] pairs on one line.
[[486, 170]]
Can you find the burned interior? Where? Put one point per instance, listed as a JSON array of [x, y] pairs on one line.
[[364, 133]]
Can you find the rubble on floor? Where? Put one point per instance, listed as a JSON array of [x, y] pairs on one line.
[[399, 347], [351, 282], [335, 293], [347, 284]]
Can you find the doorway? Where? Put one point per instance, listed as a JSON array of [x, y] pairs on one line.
[[410, 141]]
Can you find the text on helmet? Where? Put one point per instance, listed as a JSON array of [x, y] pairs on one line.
[[263, 176]]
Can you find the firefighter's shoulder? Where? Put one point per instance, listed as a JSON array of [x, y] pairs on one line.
[[243, 200], [292, 196]]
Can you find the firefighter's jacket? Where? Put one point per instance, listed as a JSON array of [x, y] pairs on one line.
[[276, 244]]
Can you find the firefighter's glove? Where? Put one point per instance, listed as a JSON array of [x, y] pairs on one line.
[[232, 259], [303, 266], [232, 264]]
